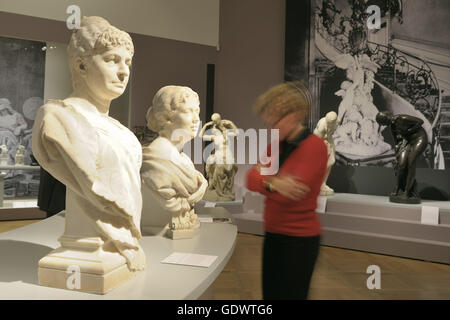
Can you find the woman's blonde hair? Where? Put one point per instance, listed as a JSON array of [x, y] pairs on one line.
[[283, 99]]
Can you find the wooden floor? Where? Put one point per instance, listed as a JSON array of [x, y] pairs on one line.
[[339, 274], [11, 225]]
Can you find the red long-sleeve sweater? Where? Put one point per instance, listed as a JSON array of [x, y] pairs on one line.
[[308, 164]]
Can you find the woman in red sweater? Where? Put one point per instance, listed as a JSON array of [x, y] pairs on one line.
[[292, 227]]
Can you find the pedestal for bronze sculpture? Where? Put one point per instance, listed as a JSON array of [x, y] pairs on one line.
[[403, 199]]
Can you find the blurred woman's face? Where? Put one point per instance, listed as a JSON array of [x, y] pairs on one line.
[[285, 125]]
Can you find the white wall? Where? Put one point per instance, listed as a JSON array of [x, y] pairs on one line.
[[195, 21], [58, 81]]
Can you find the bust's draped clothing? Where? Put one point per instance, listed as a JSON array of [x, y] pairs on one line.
[[171, 175], [98, 159]]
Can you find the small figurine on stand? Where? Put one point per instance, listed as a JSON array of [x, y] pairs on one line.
[[410, 142], [4, 156], [220, 166], [19, 158], [325, 129]]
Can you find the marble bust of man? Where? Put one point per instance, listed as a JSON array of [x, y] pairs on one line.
[[98, 159], [170, 183]]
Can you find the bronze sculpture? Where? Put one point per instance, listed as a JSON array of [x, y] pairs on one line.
[[410, 142]]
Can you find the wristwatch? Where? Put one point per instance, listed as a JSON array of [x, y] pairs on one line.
[[268, 186]]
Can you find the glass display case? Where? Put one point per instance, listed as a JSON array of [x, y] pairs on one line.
[[34, 72]]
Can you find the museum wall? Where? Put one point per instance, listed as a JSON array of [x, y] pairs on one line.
[[157, 62], [251, 59], [195, 21], [33, 28], [58, 81], [251, 56]]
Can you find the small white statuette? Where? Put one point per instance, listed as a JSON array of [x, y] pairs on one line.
[[220, 165], [325, 129], [19, 158], [4, 156]]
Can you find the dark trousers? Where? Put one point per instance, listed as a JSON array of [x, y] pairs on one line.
[[288, 265]]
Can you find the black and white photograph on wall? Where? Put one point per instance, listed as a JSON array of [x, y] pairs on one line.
[[22, 69], [362, 57]]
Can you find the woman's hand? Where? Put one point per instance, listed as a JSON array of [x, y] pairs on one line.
[[288, 187]]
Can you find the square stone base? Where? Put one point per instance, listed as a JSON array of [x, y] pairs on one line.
[[94, 272], [181, 234], [171, 234]]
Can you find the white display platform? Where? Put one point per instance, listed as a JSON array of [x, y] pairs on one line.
[[236, 202], [21, 249], [21, 209], [20, 167], [373, 224], [28, 214], [235, 206]]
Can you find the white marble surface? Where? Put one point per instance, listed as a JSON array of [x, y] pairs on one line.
[[220, 166], [94, 156], [325, 129], [21, 249], [171, 185]]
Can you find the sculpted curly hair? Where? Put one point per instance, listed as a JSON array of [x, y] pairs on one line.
[[166, 103], [95, 36]]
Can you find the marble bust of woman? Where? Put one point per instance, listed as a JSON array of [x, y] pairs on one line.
[[170, 183], [98, 160]]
